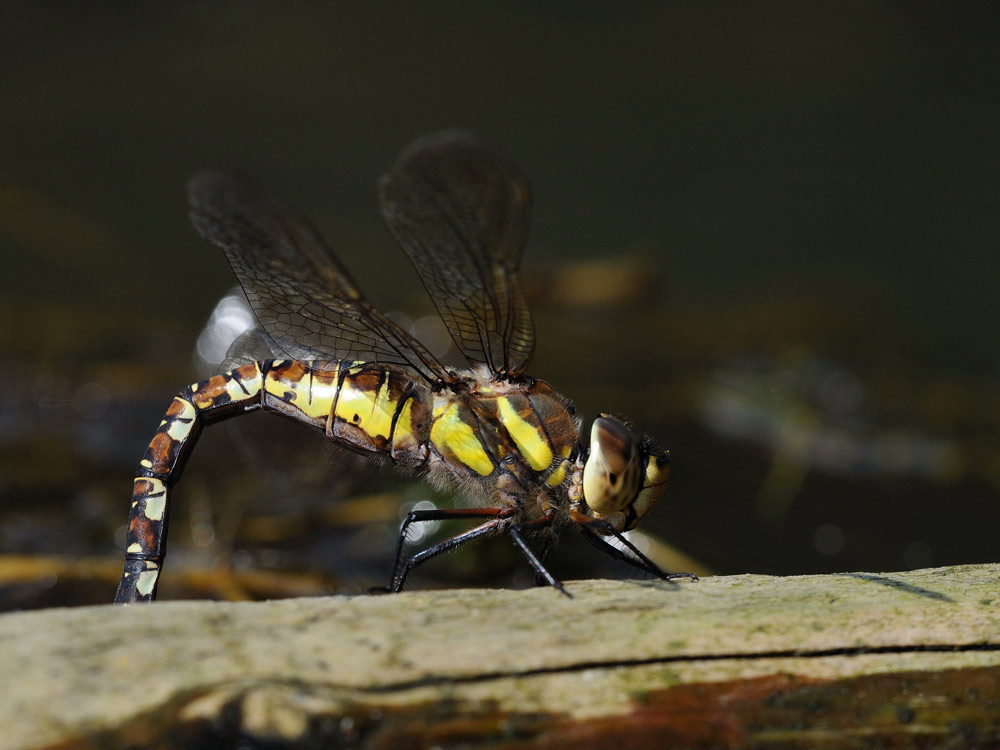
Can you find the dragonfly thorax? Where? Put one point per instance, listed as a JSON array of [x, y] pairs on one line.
[[522, 427]]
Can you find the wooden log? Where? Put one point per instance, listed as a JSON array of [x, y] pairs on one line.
[[897, 659]]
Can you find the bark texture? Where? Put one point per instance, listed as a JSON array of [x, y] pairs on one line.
[[902, 659]]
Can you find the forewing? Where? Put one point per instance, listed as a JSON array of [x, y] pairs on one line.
[[302, 295], [460, 209]]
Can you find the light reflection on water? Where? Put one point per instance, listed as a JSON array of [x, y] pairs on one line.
[[812, 415]]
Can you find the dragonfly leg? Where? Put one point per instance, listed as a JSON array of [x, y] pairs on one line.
[[541, 573], [595, 529], [547, 546], [401, 568]]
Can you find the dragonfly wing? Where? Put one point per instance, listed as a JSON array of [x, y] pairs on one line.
[[253, 345], [460, 210], [302, 295]]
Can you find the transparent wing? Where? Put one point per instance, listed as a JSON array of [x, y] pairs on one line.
[[253, 345], [460, 208], [303, 297]]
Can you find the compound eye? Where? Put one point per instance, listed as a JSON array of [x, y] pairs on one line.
[[611, 476]]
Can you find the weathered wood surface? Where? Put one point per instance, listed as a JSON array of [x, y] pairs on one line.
[[904, 659]]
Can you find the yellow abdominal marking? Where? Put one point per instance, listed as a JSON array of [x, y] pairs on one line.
[[371, 411], [146, 582], [321, 396], [529, 440], [182, 424], [382, 412], [241, 384], [312, 396], [156, 500], [235, 388], [451, 433]]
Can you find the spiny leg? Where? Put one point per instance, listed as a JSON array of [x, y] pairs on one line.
[[595, 529], [547, 545], [499, 518], [431, 514], [541, 573], [639, 561]]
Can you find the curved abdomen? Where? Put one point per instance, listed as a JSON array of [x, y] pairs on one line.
[[367, 407]]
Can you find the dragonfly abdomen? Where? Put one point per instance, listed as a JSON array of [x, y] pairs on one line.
[[209, 401], [368, 407]]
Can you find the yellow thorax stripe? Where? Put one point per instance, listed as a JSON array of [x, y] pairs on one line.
[[529, 438], [556, 477], [404, 425], [451, 434]]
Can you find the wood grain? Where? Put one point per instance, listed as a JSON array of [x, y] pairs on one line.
[[740, 661]]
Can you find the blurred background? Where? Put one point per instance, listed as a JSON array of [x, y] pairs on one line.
[[766, 235]]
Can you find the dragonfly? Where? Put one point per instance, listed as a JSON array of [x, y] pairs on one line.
[[325, 356]]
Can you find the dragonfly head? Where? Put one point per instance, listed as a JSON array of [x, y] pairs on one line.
[[622, 477]]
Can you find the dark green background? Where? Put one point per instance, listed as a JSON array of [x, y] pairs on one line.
[[841, 156]]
